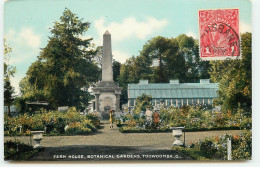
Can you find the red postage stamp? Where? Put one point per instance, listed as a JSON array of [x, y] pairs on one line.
[[219, 34]]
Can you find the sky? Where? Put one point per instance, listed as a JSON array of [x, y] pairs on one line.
[[131, 23]]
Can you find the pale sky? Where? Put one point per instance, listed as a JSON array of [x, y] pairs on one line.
[[131, 23]]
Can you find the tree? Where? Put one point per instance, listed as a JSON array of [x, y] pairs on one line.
[[143, 102], [156, 49], [235, 79], [195, 68], [129, 73], [116, 70], [65, 67], [8, 73], [178, 58]]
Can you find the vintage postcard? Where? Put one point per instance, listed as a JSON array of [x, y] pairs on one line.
[[112, 80]]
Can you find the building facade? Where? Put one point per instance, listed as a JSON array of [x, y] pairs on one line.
[[174, 93]]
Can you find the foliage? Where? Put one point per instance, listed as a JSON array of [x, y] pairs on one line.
[[178, 58], [8, 73], [18, 151], [194, 153], [194, 118], [142, 102], [54, 122], [116, 70], [65, 67], [8, 69], [216, 147], [235, 79], [8, 95], [129, 129], [200, 117]]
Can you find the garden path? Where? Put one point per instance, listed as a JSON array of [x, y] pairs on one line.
[[111, 141]]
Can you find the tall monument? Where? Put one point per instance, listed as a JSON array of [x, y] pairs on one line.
[[107, 92]]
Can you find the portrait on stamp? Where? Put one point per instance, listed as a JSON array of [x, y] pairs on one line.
[[219, 34]]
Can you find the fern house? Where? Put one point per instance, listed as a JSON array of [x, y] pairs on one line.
[[174, 92]]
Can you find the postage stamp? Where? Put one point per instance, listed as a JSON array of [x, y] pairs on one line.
[[219, 34]]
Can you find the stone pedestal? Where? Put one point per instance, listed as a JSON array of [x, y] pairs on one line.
[[37, 137], [177, 133], [107, 96]]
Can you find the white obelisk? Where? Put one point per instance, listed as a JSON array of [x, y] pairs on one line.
[[107, 72]]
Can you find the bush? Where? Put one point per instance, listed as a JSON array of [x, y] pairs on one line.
[[200, 117], [17, 151], [194, 118], [53, 121], [216, 147]]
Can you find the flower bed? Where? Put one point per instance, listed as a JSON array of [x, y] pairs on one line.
[[53, 122], [215, 148], [200, 117], [127, 129], [192, 118]]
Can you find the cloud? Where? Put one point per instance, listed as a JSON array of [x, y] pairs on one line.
[[16, 59], [129, 28], [26, 37], [31, 39], [192, 34], [245, 27], [120, 56], [25, 44], [15, 83]]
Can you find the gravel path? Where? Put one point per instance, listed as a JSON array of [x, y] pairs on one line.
[[111, 142]]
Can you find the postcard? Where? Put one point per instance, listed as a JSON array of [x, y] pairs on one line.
[[110, 80]]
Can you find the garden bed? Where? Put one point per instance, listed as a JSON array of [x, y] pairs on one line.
[[55, 123], [215, 148], [168, 130], [194, 153], [14, 150]]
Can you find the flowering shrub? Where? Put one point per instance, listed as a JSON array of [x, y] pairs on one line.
[[216, 147], [199, 117], [53, 122], [194, 118]]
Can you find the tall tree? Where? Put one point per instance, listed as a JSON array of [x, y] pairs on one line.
[[195, 68], [156, 49], [8, 73], [177, 58], [235, 78], [127, 75], [116, 70], [65, 68]]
